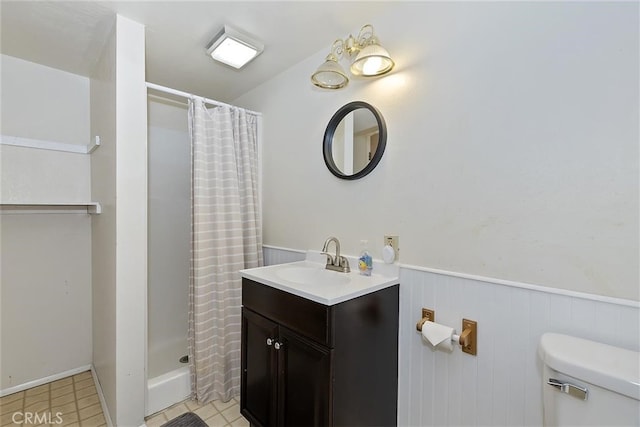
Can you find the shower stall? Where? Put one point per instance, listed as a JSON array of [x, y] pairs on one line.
[[224, 144], [169, 231]]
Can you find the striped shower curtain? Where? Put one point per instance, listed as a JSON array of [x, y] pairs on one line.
[[226, 236]]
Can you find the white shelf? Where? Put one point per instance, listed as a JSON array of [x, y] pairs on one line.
[[28, 207], [17, 141]]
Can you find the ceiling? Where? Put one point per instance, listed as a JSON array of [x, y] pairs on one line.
[[69, 35]]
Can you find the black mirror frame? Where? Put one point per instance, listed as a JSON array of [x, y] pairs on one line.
[[331, 129]]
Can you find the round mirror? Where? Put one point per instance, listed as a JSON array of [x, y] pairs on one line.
[[354, 140]]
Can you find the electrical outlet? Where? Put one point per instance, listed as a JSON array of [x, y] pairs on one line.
[[393, 241]]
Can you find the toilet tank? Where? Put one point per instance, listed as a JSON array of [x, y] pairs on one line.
[[588, 383]]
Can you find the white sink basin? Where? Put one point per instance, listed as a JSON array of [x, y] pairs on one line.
[[312, 275], [311, 280]]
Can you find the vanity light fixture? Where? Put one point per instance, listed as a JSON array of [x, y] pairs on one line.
[[370, 60], [234, 48]]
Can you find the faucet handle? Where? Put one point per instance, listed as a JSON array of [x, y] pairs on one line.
[[330, 260], [344, 263]]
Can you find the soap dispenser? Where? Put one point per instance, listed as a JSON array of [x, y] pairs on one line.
[[365, 262]]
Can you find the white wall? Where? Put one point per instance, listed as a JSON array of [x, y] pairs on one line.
[[103, 226], [169, 234], [43, 103], [45, 323], [512, 146], [119, 179], [512, 155], [40, 102], [131, 220]]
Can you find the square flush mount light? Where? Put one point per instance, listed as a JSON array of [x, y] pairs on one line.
[[233, 48]]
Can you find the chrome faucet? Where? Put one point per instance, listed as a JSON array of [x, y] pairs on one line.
[[337, 262]]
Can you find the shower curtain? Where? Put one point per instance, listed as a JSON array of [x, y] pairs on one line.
[[226, 236]]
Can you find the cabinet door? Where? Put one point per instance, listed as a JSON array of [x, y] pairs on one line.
[[304, 381], [259, 369]]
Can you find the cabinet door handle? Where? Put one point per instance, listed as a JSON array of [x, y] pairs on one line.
[[269, 341], [278, 345]]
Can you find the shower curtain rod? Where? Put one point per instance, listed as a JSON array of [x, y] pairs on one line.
[[189, 95]]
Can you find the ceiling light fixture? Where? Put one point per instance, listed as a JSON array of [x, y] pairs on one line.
[[371, 60], [234, 48]]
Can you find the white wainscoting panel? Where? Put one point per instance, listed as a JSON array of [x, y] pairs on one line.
[[274, 255], [502, 385]]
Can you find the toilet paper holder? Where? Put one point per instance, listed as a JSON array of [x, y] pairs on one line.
[[468, 339]]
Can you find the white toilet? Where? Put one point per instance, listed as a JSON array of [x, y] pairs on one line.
[[588, 383]]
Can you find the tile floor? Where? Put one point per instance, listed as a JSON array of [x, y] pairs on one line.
[[71, 401], [74, 402], [216, 413]]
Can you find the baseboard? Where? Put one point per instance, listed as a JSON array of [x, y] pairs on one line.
[[40, 381], [103, 402]]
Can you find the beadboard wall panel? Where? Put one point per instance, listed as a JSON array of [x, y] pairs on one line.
[[502, 385], [274, 255]]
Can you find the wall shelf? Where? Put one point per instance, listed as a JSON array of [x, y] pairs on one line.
[[17, 141], [20, 207], [93, 208]]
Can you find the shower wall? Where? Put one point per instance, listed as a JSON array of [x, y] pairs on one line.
[[169, 234]]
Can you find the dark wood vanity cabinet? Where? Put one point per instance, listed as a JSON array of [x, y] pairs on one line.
[[309, 364]]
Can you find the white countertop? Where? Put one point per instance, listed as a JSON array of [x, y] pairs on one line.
[[309, 279]]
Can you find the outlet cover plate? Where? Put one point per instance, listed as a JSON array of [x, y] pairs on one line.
[[393, 241]]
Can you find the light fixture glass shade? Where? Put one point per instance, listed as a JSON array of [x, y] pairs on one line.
[[233, 48], [373, 60], [330, 75], [233, 53]]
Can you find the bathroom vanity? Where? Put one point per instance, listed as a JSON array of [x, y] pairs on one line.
[[318, 360]]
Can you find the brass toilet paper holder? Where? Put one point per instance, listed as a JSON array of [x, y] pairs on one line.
[[468, 339], [427, 315]]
